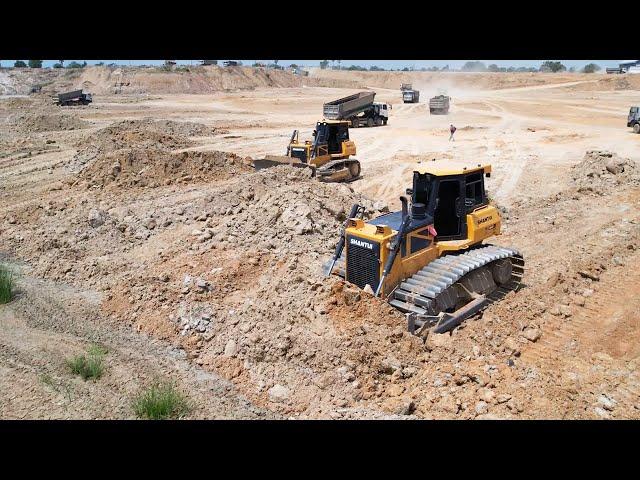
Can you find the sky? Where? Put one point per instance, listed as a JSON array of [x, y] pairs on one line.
[[394, 64]]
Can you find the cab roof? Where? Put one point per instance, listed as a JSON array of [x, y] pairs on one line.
[[443, 171]]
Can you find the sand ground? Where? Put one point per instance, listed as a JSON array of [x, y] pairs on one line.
[[532, 135]]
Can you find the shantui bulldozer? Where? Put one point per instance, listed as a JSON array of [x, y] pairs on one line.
[[430, 260], [328, 155]]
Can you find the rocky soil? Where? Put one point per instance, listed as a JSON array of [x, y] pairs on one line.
[[143, 232]]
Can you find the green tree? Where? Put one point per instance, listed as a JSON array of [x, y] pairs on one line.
[[35, 63], [20, 64], [591, 68], [474, 66], [74, 65], [493, 68], [552, 66], [57, 65], [323, 64], [375, 68]]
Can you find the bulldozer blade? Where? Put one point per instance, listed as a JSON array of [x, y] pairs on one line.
[[274, 161]]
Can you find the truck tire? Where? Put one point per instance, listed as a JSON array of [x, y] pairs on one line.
[[355, 122], [369, 122], [636, 128], [384, 121], [378, 121]]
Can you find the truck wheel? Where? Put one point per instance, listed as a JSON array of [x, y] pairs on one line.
[[355, 123], [636, 128], [369, 122], [378, 121], [384, 122]]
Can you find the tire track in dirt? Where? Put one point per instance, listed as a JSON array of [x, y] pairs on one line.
[[602, 332]]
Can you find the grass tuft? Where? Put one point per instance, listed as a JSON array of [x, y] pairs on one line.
[[6, 284], [90, 366], [161, 401]]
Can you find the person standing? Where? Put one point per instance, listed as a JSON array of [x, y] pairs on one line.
[[452, 129]]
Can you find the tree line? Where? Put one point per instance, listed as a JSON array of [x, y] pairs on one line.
[[471, 66]]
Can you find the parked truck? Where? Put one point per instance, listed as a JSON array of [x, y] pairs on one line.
[[439, 104], [76, 97], [359, 109], [409, 95], [633, 120]]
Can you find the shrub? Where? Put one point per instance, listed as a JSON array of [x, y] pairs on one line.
[[19, 64], [161, 401], [90, 366], [6, 284], [474, 67], [35, 63], [591, 68], [551, 66]]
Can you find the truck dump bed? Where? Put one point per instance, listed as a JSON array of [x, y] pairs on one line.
[[66, 96], [440, 101], [348, 106]]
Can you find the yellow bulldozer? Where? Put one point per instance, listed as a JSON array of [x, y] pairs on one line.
[[429, 260], [328, 155]]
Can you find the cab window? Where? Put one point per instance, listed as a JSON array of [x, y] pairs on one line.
[[474, 191]]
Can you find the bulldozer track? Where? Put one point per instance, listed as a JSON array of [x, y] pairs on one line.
[[425, 286]]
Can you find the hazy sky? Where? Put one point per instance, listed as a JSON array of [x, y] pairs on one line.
[[454, 64]]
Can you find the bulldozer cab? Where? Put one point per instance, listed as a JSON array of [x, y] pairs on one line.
[[449, 195], [329, 137]]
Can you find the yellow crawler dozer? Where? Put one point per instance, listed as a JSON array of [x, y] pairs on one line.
[[328, 155], [429, 260]]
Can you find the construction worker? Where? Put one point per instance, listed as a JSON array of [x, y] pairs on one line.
[[452, 129]]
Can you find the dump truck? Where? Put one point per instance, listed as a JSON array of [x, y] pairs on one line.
[[633, 120], [439, 104], [430, 260], [328, 155], [409, 95], [76, 97], [358, 109]]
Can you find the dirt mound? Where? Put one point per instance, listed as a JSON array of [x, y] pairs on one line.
[[157, 136], [153, 167], [601, 171], [47, 122], [146, 133]]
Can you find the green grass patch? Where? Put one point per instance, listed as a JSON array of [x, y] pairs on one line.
[[6, 284], [161, 401], [90, 366]]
